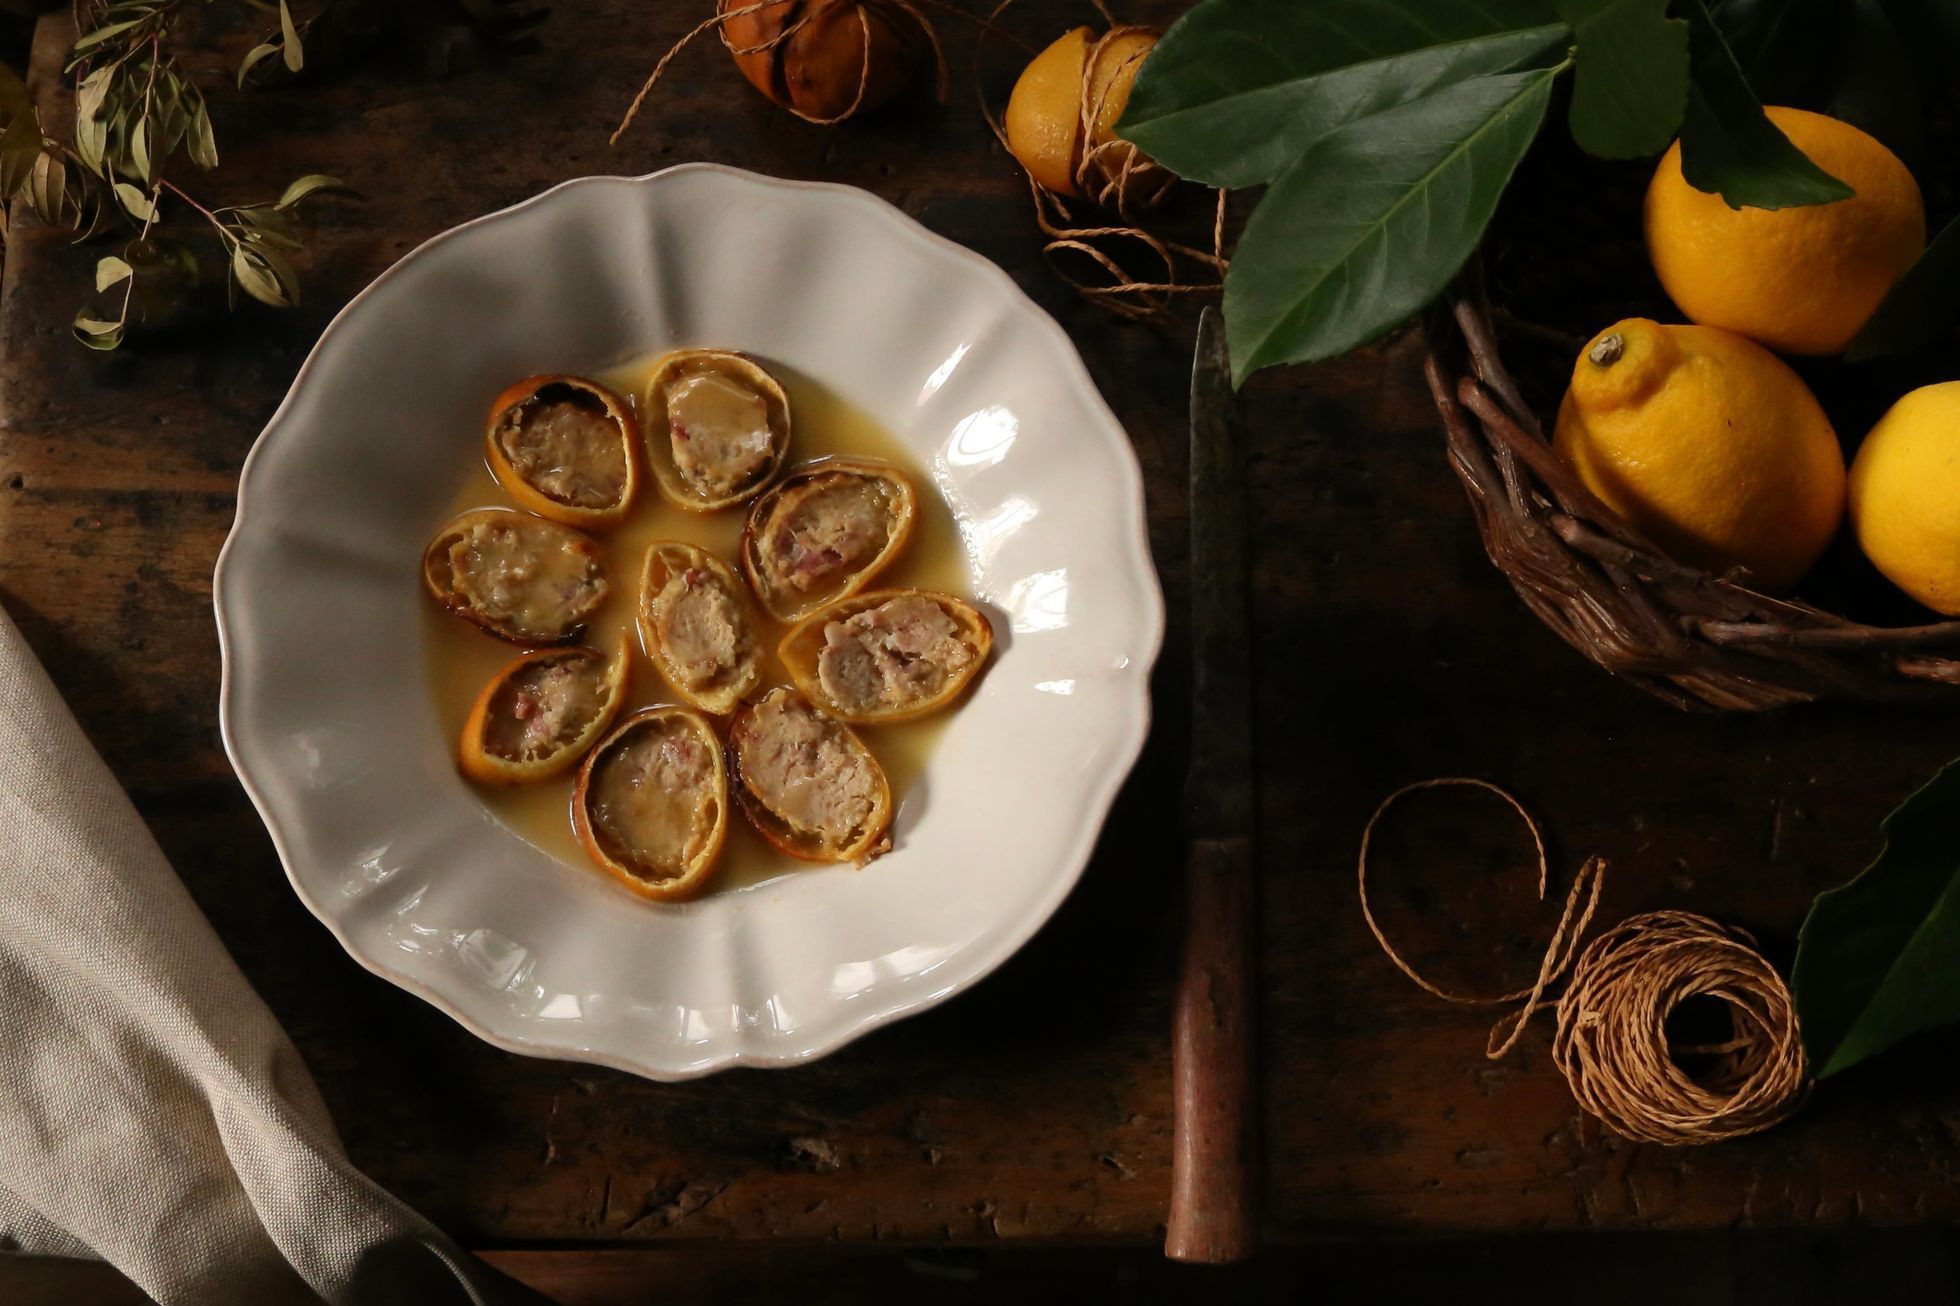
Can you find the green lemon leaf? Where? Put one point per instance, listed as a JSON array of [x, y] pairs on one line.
[[1876, 957], [1728, 145], [1877, 86], [1374, 220], [1919, 306], [1236, 89], [1784, 47], [1632, 85]]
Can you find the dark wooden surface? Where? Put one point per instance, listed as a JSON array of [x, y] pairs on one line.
[[1789, 1268], [1037, 1106]]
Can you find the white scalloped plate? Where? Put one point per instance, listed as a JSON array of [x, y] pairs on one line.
[[326, 713]]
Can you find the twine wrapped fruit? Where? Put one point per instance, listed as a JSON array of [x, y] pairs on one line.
[[825, 60], [1061, 120]]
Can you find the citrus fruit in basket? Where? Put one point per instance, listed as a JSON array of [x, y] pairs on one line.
[[1707, 443], [1803, 280], [1905, 496], [1044, 120]]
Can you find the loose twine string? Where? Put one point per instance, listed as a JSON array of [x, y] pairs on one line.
[[1117, 176], [1610, 1040], [1113, 174]]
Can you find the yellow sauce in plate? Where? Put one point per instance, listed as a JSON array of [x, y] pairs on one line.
[[462, 659]]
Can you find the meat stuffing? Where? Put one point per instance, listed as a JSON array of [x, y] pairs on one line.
[[652, 803], [840, 525], [903, 651], [563, 442], [721, 436], [808, 771], [701, 627], [525, 576], [546, 706]]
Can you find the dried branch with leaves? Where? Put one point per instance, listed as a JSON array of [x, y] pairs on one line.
[[138, 113]]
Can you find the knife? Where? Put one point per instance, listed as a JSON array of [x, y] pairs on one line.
[[1214, 1211]]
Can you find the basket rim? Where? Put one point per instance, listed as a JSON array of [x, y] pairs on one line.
[[1694, 638]]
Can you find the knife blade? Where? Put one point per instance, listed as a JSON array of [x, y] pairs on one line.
[[1214, 1214]]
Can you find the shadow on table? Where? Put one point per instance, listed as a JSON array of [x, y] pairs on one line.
[[1734, 1269]]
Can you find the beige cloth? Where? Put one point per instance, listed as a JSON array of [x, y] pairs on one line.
[[152, 1111]]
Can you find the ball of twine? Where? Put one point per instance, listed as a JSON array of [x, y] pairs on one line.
[[1611, 1042]]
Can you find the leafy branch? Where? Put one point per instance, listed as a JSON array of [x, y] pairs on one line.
[[1386, 134], [39, 171], [138, 114]]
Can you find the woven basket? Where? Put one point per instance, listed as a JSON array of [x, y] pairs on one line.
[[1698, 640]]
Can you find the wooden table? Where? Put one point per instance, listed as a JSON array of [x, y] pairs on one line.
[[1034, 1109]]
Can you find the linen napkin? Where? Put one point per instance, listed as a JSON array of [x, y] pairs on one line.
[[152, 1111]]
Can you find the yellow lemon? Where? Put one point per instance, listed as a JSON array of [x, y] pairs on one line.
[[1803, 280], [1905, 496], [1045, 110], [1708, 444], [1110, 80], [1044, 113]]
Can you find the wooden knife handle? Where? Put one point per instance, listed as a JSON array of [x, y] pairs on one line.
[[1214, 1215]]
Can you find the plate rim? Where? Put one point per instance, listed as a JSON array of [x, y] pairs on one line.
[[980, 964]]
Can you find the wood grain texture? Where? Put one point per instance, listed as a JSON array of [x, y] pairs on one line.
[[1038, 1105], [1213, 1217]]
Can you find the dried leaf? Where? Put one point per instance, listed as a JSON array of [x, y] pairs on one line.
[[108, 271], [139, 149], [47, 186], [89, 40], [203, 142], [295, 56], [252, 57], [258, 275], [136, 202], [91, 142], [305, 186], [98, 334], [274, 237], [64, 197], [91, 90], [169, 119], [21, 142]]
